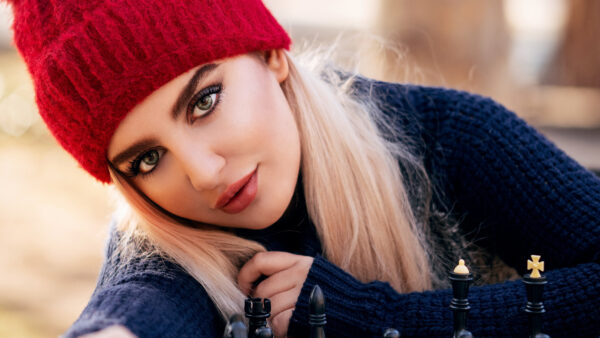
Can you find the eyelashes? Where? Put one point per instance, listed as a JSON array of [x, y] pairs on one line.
[[145, 162], [202, 104]]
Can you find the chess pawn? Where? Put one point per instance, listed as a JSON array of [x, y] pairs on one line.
[[461, 279], [257, 311], [317, 318], [534, 286]]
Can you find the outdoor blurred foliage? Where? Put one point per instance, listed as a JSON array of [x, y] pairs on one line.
[[540, 58]]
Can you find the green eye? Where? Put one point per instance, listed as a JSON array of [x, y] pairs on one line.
[[204, 105], [204, 102], [149, 161]]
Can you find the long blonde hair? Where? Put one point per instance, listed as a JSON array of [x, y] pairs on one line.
[[364, 217]]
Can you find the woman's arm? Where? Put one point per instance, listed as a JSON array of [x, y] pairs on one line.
[[519, 193], [151, 298], [355, 309]]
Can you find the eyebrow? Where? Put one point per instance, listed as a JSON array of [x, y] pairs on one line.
[[189, 89], [132, 151], [184, 97]]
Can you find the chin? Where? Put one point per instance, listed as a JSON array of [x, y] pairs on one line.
[[268, 217]]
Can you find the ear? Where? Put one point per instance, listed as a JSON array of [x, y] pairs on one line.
[[277, 63]]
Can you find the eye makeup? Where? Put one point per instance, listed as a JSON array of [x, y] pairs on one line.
[[204, 102], [201, 105], [147, 158]]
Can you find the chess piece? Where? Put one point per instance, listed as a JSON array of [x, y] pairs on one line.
[[461, 279], [236, 327], [317, 318], [263, 332], [257, 311], [534, 285], [391, 333]]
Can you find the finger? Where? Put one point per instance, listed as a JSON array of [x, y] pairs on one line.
[[263, 263], [281, 322], [279, 282], [284, 301]]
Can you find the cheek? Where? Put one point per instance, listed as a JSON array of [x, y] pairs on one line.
[[280, 139], [171, 190], [260, 120], [276, 128]]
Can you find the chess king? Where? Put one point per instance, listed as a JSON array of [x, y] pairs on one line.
[[534, 284], [246, 170]]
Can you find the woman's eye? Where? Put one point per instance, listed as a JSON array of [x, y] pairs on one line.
[[206, 102], [149, 160], [208, 98], [204, 105]]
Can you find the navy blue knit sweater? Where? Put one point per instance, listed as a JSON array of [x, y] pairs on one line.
[[514, 190]]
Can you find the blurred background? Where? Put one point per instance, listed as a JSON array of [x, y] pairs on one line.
[[540, 58]]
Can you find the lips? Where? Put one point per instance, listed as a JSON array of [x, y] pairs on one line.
[[239, 194]]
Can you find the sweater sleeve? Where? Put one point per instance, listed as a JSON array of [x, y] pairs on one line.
[[519, 195], [150, 297], [356, 309]]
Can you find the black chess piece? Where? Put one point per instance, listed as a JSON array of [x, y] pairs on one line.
[[257, 311], [391, 333], [236, 328], [461, 280], [535, 307], [534, 286], [263, 332], [317, 318]]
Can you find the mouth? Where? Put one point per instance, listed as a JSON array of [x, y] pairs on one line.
[[239, 194]]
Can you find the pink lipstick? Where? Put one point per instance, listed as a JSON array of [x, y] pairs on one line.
[[239, 194]]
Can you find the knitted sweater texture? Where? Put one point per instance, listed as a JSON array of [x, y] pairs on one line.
[[516, 193]]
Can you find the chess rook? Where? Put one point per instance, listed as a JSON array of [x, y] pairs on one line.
[[461, 279], [257, 311], [317, 318], [534, 286]]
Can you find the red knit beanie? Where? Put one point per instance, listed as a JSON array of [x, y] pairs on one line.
[[92, 61]]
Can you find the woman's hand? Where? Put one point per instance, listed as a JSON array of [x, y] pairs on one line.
[[285, 274]]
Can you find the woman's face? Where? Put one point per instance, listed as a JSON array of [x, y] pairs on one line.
[[217, 145]]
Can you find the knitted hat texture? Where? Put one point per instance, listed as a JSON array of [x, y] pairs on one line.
[[92, 61]]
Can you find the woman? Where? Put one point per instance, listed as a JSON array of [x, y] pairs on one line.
[[244, 174]]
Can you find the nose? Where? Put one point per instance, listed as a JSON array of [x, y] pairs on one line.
[[202, 167]]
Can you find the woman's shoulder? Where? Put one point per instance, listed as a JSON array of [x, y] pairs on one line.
[[130, 261], [421, 99], [149, 295], [436, 117]]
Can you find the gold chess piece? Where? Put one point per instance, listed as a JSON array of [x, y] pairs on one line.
[[461, 268], [535, 265]]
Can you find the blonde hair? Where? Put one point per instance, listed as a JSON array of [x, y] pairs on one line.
[[364, 219]]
